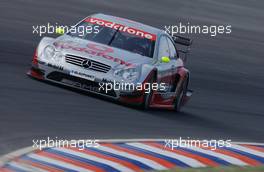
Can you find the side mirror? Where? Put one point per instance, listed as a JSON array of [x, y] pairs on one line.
[[165, 59], [60, 31]]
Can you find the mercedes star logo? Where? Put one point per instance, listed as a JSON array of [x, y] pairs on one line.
[[87, 64]]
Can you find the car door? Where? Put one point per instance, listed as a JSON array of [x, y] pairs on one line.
[[174, 61], [164, 69]]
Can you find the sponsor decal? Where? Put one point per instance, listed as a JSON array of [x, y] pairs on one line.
[[130, 30], [80, 85], [82, 75], [92, 49], [107, 81], [55, 66]]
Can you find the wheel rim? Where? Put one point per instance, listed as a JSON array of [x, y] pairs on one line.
[[149, 95]]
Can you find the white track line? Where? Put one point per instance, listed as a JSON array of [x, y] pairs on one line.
[[15, 154]]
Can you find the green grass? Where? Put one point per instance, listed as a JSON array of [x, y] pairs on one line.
[[219, 169]]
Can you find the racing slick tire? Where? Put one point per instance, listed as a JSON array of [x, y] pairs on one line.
[[180, 95], [148, 96]]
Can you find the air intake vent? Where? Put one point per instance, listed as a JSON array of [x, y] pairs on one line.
[[87, 63]]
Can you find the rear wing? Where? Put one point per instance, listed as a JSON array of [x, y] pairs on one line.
[[185, 45]]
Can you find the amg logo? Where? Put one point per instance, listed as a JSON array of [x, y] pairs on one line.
[[79, 85]]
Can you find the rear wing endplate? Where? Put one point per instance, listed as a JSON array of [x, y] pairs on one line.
[[185, 45]]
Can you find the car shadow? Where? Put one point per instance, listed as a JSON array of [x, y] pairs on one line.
[[193, 120]]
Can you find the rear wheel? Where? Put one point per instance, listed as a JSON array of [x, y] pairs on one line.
[[180, 95], [148, 96]]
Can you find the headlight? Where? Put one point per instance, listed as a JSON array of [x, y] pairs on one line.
[[129, 74], [58, 56], [51, 54]]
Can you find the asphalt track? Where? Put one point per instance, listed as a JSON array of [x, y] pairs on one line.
[[227, 75]]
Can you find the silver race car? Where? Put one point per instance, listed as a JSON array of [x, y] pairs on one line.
[[117, 58]]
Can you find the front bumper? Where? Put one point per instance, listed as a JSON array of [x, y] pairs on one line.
[[62, 76]]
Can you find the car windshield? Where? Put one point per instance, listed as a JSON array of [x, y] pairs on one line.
[[116, 38]]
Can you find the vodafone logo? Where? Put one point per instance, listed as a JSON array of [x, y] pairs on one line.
[[122, 28], [93, 49]]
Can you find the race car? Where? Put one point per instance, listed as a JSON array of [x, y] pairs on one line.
[[117, 58]]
